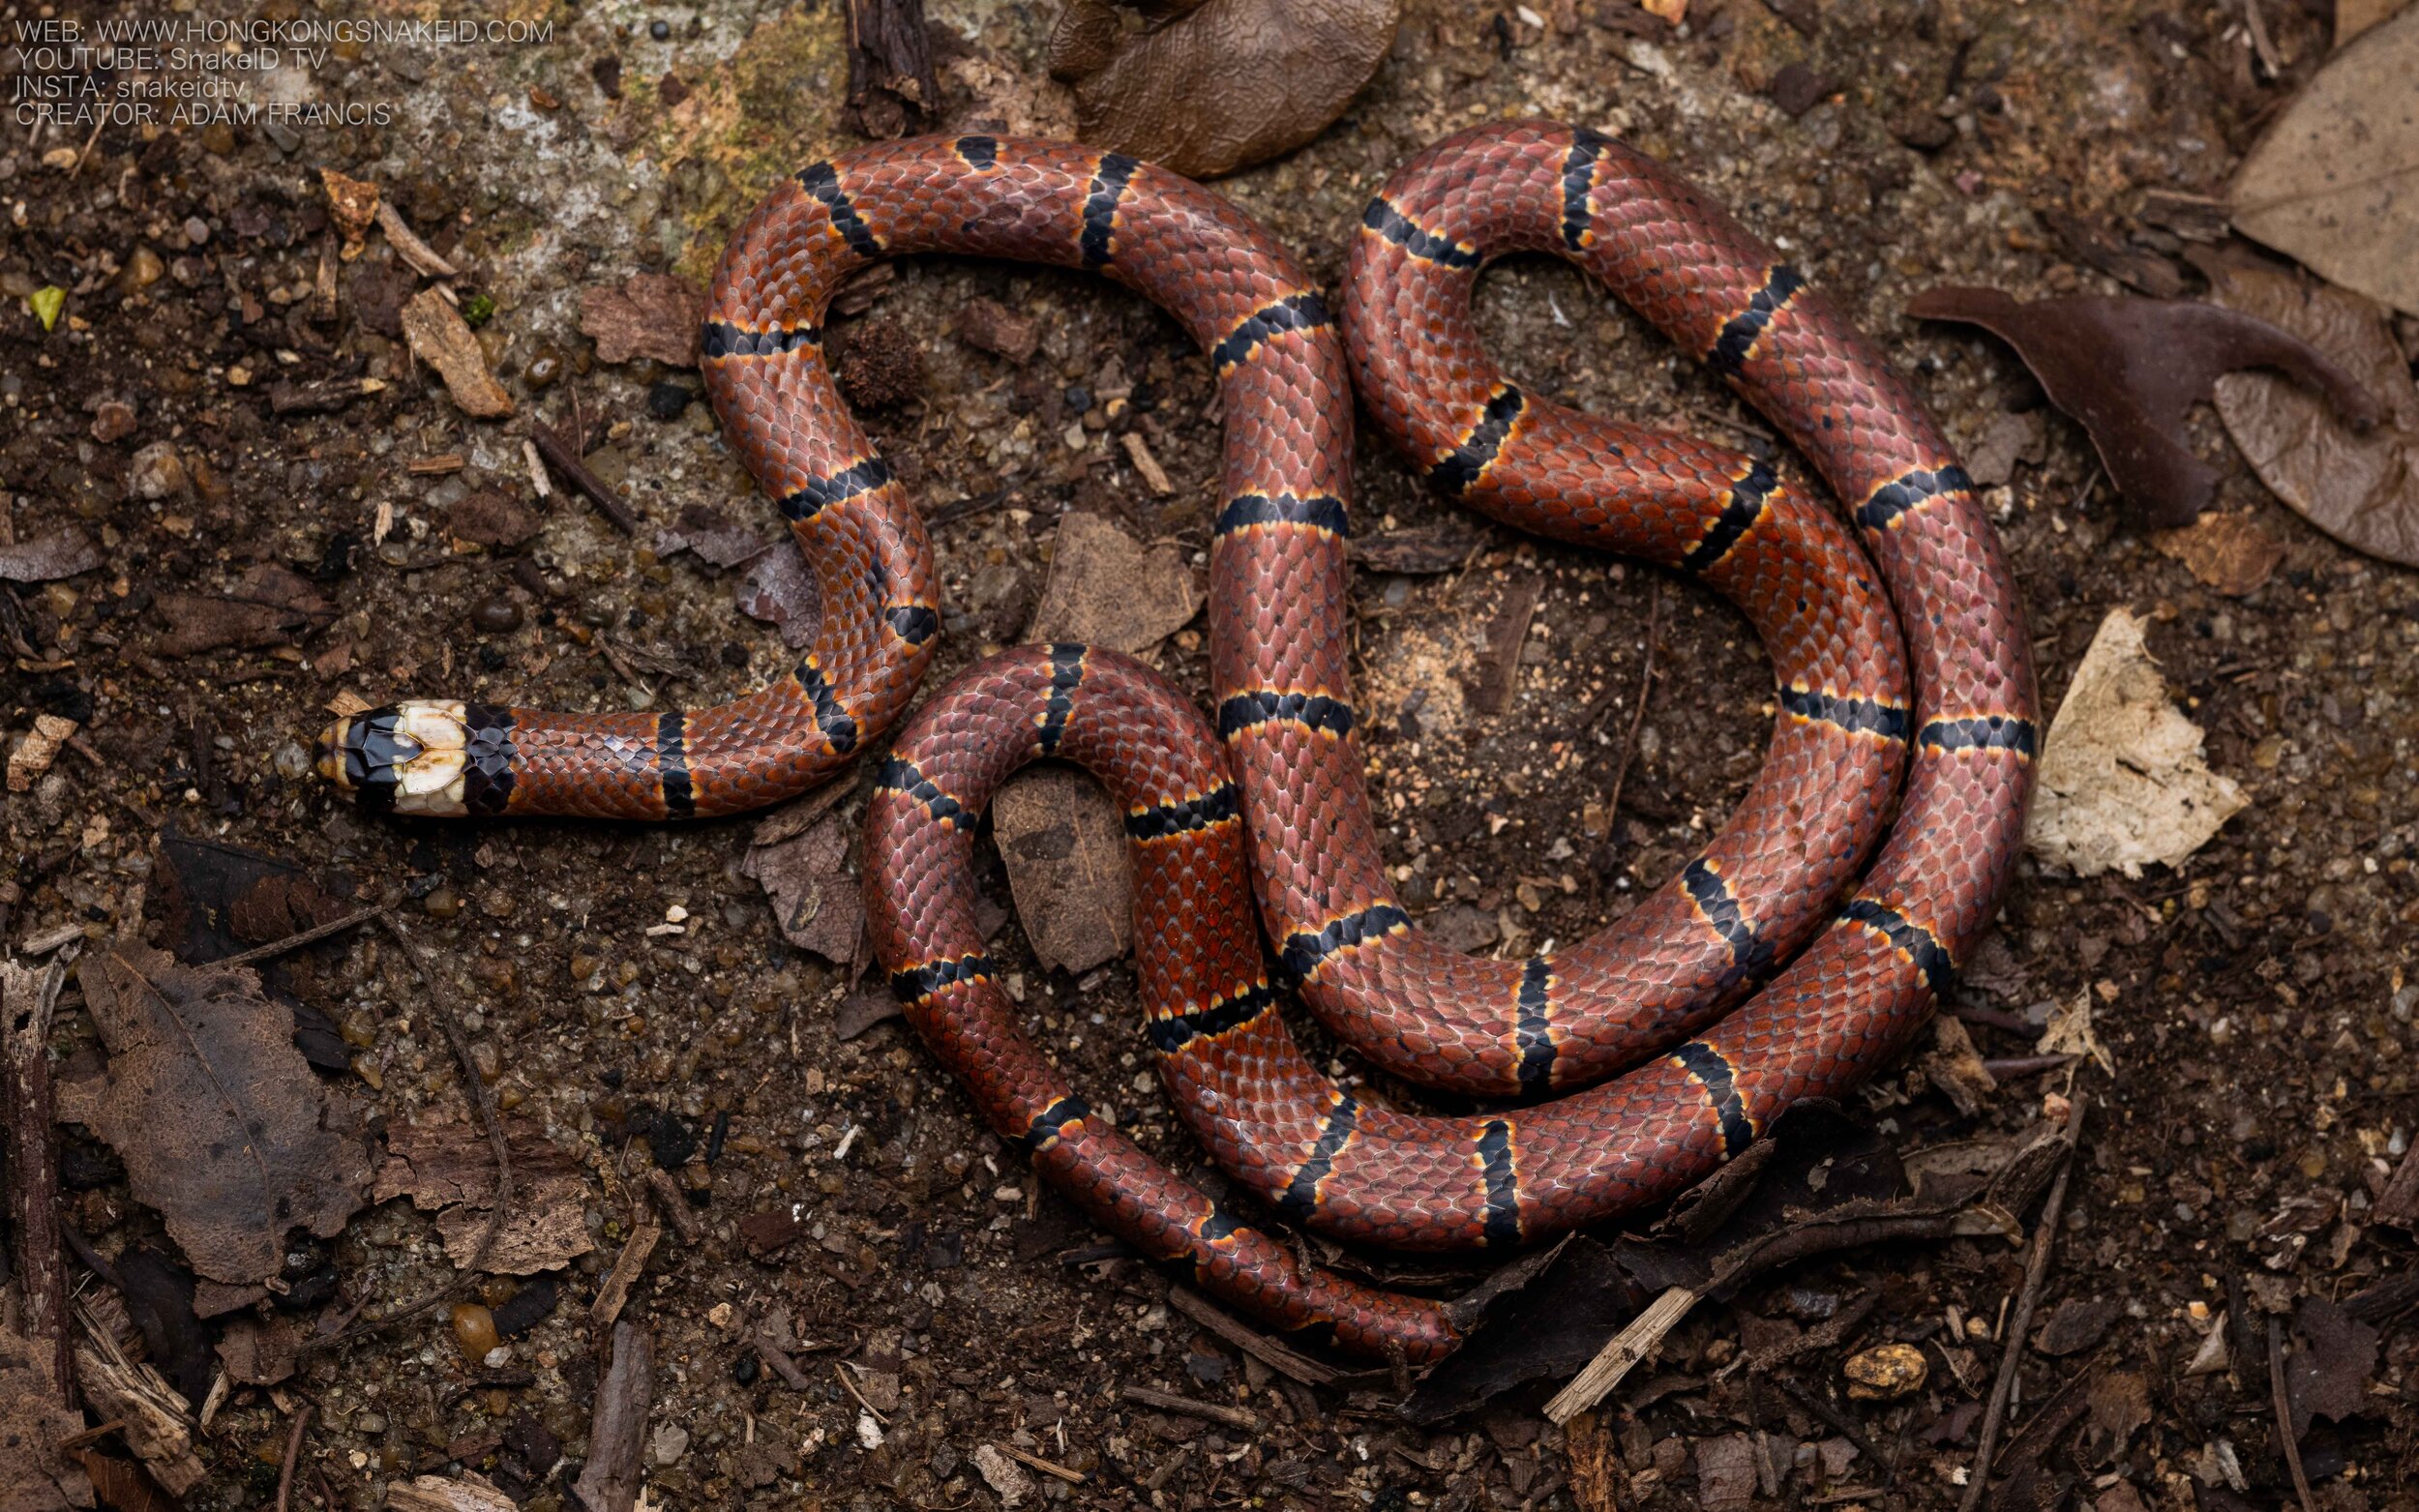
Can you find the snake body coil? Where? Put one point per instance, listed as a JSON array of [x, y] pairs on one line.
[[1844, 950]]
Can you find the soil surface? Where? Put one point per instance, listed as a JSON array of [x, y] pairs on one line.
[[630, 991]]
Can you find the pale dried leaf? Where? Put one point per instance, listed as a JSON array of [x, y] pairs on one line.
[[2335, 182], [52, 555], [450, 1169], [2070, 1032], [437, 1493], [2122, 779]]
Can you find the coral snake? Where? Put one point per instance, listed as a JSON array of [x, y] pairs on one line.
[[1787, 960]]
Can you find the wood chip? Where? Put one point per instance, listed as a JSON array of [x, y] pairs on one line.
[[409, 247], [616, 1292], [39, 748], [1139, 451], [617, 1434], [1170, 1402], [440, 338]]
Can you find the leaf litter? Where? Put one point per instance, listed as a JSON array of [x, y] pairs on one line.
[[449, 1168], [224, 1129]]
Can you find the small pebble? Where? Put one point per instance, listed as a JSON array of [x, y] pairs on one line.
[[292, 761], [1884, 1372], [745, 1369], [542, 369], [496, 616], [659, 30], [197, 230], [669, 400], [443, 902], [474, 1331], [113, 421]]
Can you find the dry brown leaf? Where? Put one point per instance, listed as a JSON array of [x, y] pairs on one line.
[[33, 1420], [2361, 487], [650, 315], [1956, 1066], [439, 337], [353, 204], [2122, 779], [270, 606], [223, 1127], [779, 590], [2229, 553], [449, 1169], [1220, 85], [2128, 370], [258, 1352], [2335, 182], [817, 902], [55, 554], [1061, 838], [2070, 1032]]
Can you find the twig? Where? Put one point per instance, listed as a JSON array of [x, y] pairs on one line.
[[1637, 716], [27, 998], [1259, 1346], [563, 456], [676, 1208], [779, 1361], [293, 1453], [618, 1433], [2285, 1410], [485, 1107], [2026, 1065], [1037, 1461], [1841, 1423], [1634, 1343], [841, 1370], [1170, 1402], [279, 947], [2012, 1352]]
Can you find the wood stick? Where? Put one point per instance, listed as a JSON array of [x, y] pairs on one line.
[[27, 998], [279, 947], [2283, 1399], [2012, 1352], [1170, 1402], [1259, 1346], [563, 455], [293, 1453]]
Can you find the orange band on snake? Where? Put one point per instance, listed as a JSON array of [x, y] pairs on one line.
[[1789, 959]]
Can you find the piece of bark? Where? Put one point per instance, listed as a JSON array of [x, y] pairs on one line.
[[471, 1493], [439, 337], [449, 1169], [891, 88], [648, 314], [28, 997], [34, 1420], [155, 1424], [1498, 677], [615, 1295], [617, 1434]]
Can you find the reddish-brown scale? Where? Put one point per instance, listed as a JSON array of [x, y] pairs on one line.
[[1270, 799]]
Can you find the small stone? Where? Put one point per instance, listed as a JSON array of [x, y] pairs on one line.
[[542, 369], [474, 1331], [292, 761], [196, 231], [217, 138], [1924, 130], [496, 616], [669, 400], [158, 472], [113, 421], [1884, 1372], [671, 1442], [987, 326], [443, 902], [659, 30], [1797, 89], [144, 268]]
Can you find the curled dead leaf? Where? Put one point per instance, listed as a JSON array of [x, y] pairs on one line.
[[2227, 551], [2128, 369], [2361, 487], [1205, 87], [2335, 182]]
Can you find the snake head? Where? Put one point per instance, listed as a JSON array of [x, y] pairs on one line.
[[406, 757]]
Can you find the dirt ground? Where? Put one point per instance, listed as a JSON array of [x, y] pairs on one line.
[[2252, 1004]]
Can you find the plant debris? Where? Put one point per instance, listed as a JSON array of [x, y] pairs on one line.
[[1209, 86], [34, 1419], [2123, 782], [439, 337], [648, 314], [2129, 368], [50, 556], [448, 1169], [617, 1437], [2227, 551], [270, 606], [223, 1127], [2335, 182], [817, 900], [2361, 487]]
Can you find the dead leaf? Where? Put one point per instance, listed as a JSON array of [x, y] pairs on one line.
[[1062, 839], [223, 1127], [1956, 1067], [2360, 488], [650, 315], [471, 1493], [258, 1352], [2069, 1033], [439, 337], [712, 534], [353, 204], [2227, 551], [270, 606], [122, 1485], [780, 591], [817, 902], [2334, 1356], [33, 1420], [2120, 1405], [449, 1169], [2335, 182], [2074, 1325], [1725, 1472], [2128, 369], [489, 518], [1217, 85], [2122, 778], [50, 556]]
